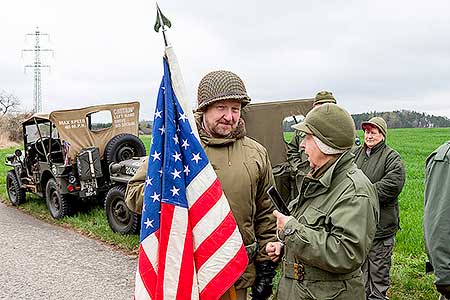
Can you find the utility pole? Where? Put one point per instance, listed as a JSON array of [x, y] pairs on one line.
[[37, 65]]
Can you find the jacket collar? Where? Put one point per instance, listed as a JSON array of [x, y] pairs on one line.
[[322, 184], [378, 147]]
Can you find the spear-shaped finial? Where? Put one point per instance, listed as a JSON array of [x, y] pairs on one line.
[[161, 22]]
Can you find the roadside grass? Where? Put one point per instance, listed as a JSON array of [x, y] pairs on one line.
[[408, 277]]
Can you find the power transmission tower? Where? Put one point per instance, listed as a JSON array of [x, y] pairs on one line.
[[37, 65]]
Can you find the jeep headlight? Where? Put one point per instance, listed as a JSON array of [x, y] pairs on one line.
[[115, 168]]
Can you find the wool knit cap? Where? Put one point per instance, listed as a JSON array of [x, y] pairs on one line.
[[330, 123], [221, 85], [378, 122], [324, 97]]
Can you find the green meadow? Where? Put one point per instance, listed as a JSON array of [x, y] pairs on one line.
[[409, 280]]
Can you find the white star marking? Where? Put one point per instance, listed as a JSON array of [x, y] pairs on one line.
[[175, 191], [155, 197], [185, 144], [186, 170], [158, 114], [175, 139], [156, 155], [177, 156], [196, 157], [148, 181], [162, 130], [176, 174], [183, 117], [148, 223]]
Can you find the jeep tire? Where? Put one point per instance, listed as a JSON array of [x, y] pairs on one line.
[[59, 205], [123, 146], [16, 194], [120, 218]]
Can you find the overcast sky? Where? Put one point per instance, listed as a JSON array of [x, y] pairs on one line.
[[374, 55]]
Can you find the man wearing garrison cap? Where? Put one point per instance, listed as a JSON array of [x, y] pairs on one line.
[[333, 220], [384, 167], [297, 158]]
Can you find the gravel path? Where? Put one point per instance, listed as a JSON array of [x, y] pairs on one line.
[[43, 261]]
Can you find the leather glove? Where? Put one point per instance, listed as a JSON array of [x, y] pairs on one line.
[[262, 287], [444, 290]]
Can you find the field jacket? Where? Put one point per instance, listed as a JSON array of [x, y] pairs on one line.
[[335, 218], [436, 219], [384, 167]]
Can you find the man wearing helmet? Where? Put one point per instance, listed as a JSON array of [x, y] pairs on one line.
[[244, 171], [334, 218]]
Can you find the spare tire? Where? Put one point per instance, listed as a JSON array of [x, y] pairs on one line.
[[123, 146]]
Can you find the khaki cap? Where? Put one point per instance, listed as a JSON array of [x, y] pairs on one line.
[[378, 122], [330, 123], [324, 97]]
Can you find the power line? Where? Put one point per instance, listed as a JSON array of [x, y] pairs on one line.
[[37, 65]]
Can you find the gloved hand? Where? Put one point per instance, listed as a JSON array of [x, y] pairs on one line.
[[444, 290], [262, 288]]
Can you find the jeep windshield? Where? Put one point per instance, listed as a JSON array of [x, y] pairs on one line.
[[45, 129]]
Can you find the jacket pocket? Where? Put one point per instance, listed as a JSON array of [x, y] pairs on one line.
[[313, 217]]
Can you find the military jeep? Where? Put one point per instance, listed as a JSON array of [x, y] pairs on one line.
[[265, 122], [67, 153]]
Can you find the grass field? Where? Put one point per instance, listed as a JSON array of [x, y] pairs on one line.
[[409, 280]]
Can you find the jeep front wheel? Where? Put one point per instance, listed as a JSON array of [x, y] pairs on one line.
[[16, 194], [120, 218], [58, 204]]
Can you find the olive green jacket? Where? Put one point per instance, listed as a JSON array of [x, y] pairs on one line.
[[243, 168], [384, 167], [335, 218], [436, 219]]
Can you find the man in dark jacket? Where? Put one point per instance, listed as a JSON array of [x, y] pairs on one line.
[[384, 167], [436, 220]]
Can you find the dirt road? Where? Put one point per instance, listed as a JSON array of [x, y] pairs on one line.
[[43, 261]]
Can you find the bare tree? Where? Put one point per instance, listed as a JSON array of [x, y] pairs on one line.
[[8, 103]]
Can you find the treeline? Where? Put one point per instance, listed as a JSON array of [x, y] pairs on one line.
[[404, 119], [394, 119]]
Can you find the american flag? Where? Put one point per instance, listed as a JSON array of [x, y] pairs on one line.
[[190, 245]]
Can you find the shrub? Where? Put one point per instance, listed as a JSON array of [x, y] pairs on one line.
[[11, 126]]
